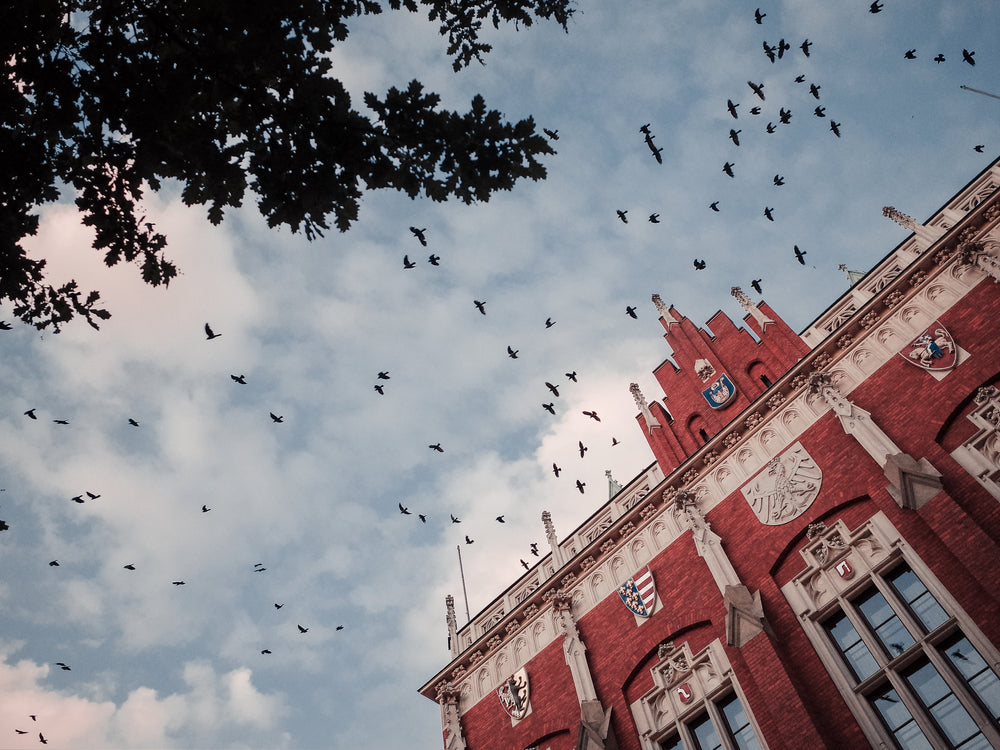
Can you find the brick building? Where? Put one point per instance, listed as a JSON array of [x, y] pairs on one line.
[[811, 561]]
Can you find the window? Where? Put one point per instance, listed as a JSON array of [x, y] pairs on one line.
[[723, 726], [908, 661]]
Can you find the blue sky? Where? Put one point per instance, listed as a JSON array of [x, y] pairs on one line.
[[314, 499]]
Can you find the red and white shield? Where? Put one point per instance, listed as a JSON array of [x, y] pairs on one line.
[[845, 570], [513, 694], [932, 349], [684, 693]]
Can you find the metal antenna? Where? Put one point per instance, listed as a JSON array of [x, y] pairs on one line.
[[984, 93], [461, 571]]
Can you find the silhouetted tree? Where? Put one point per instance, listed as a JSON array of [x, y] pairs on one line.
[[103, 99]]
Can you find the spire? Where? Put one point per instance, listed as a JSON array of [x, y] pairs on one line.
[[853, 277], [613, 487], [660, 307], [640, 401], [926, 234], [449, 602], [755, 312], [550, 534]]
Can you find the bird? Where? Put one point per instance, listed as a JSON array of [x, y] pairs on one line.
[[630, 311], [339, 627], [383, 375], [580, 485], [939, 58], [512, 353], [433, 259], [800, 255], [835, 128], [910, 54], [54, 564], [77, 499], [92, 496], [769, 51], [63, 666], [404, 511], [614, 441], [380, 389], [407, 263], [553, 388], [241, 379], [30, 414], [759, 17], [453, 519], [757, 88], [734, 136], [770, 127], [500, 519], [756, 285], [20, 731], [422, 517], [469, 541], [592, 415], [278, 606], [784, 116], [524, 564], [622, 216], [481, 306], [302, 629], [60, 421], [783, 47], [779, 180], [210, 334], [436, 447], [41, 738], [699, 264], [419, 234], [550, 408], [266, 651], [714, 205], [654, 218], [805, 47], [275, 418], [728, 168], [133, 422], [820, 111], [979, 148], [583, 448], [732, 108], [875, 7], [755, 110], [5, 326], [534, 549], [800, 79], [967, 56], [549, 322], [555, 470], [130, 566], [205, 509], [178, 583], [814, 90], [572, 376], [553, 134], [768, 214]]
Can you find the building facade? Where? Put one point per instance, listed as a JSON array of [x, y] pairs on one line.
[[811, 561]]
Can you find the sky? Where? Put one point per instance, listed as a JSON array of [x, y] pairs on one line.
[[207, 489]]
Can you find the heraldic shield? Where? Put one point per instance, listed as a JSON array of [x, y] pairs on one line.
[[720, 392], [638, 593], [514, 695], [785, 488], [933, 349]]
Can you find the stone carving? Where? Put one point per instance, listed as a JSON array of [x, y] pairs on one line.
[[640, 401], [660, 307], [703, 369], [755, 312], [785, 488]]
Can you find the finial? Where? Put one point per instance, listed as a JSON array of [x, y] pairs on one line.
[[640, 401], [613, 487], [907, 222], [550, 529], [747, 304], [661, 308]]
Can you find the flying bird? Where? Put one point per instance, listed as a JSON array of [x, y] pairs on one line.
[[939, 58], [656, 152], [835, 128], [820, 111], [524, 564], [770, 127], [553, 388], [481, 306], [5, 326], [621, 215], [63, 666], [979, 148], [383, 375], [592, 415], [241, 379], [54, 564], [278, 606], [556, 470], [875, 7], [433, 259], [967, 56], [800, 79], [549, 322], [534, 549], [205, 509], [732, 108], [500, 519], [275, 418], [755, 110], [756, 285], [583, 448], [92, 496], [758, 16], [783, 47], [407, 263], [553, 134], [630, 311], [469, 541], [210, 334], [728, 168], [339, 627], [20, 731], [177, 583], [419, 234], [714, 205], [768, 214], [512, 353], [654, 218], [910, 54], [572, 376], [266, 651], [302, 629], [580, 485], [814, 90], [614, 441], [41, 738], [784, 115], [550, 408], [800, 255], [453, 519], [30, 414], [699, 264], [779, 180], [422, 517], [734, 136], [130, 566], [769, 51], [61, 421], [436, 447], [805, 47], [77, 499], [380, 389], [757, 88], [404, 511]]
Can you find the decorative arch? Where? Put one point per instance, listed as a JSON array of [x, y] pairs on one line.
[[640, 553]]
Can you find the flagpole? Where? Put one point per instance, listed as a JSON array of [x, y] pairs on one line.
[[461, 571], [984, 93]]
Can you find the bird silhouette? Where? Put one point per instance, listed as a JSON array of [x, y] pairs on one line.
[[41, 738], [241, 379], [770, 127], [30, 414], [592, 415], [553, 134], [178, 583], [728, 168], [732, 108], [654, 218], [550, 408], [92, 496], [524, 564], [302, 629], [630, 311], [383, 375], [407, 263], [580, 485], [699, 264], [77, 499], [734, 136], [455, 520], [614, 441], [61, 421], [805, 47], [404, 511], [467, 540], [266, 651], [572, 376], [814, 90], [481, 306], [939, 58], [419, 234], [783, 47], [583, 448], [512, 353], [967, 56], [757, 88], [556, 470], [534, 549], [800, 255], [835, 128], [714, 205], [769, 51], [784, 116], [433, 259], [500, 519], [978, 149], [768, 213], [549, 322], [820, 111], [5, 326], [380, 389], [910, 54], [339, 627], [779, 180], [756, 285], [875, 7], [422, 517], [758, 16], [622, 216], [54, 564], [205, 509], [275, 418], [278, 606], [656, 154], [800, 79], [553, 388], [63, 666], [210, 334], [20, 731], [436, 447], [130, 566]]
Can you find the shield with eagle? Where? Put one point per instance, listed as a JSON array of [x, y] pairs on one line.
[[720, 392], [514, 694], [932, 349], [638, 593]]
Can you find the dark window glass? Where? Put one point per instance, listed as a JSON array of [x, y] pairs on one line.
[[705, 736], [923, 604], [739, 724], [851, 647], [887, 626], [673, 743], [942, 704], [969, 663], [899, 721]]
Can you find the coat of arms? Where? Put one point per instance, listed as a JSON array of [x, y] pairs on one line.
[[785, 488], [513, 695], [720, 392], [638, 593], [933, 349]]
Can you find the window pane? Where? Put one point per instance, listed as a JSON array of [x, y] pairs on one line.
[[672, 743], [851, 647], [890, 631], [706, 738], [900, 721], [912, 590], [950, 715], [739, 724], [977, 673]]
